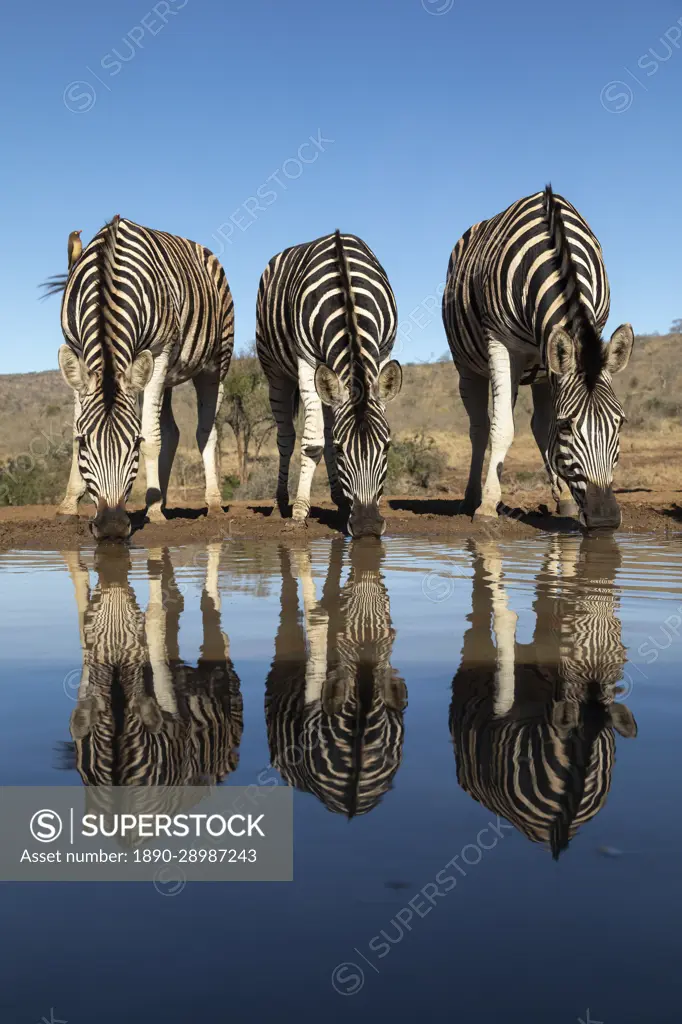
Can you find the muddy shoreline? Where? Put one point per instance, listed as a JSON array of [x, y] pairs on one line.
[[35, 527]]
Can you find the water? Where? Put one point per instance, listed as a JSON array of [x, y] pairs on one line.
[[526, 682]]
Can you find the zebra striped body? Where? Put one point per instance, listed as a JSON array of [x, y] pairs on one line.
[[525, 302], [533, 725], [325, 325], [334, 708], [142, 311], [143, 717]]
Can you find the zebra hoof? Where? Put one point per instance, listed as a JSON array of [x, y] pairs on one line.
[[300, 512], [486, 514], [155, 515], [568, 508], [215, 510]]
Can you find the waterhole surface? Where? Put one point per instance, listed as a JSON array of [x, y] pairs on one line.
[[483, 739]]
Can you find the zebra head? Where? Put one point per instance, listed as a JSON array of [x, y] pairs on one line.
[[584, 442], [107, 431], [362, 438]]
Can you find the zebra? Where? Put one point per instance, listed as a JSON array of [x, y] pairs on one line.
[[326, 321], [143, 717], [525, 302], [533, 724], [334, 707], [142, 311]]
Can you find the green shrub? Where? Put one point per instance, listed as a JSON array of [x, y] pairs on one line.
[[26, 480], [230, 485], [415, 461]]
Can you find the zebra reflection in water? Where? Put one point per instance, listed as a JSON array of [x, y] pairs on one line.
[[533, 724], [143, 717], [334, 706]]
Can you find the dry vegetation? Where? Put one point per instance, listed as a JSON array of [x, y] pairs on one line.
[[430, 430]]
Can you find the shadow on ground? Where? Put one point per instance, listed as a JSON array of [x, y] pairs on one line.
[[540, 518]]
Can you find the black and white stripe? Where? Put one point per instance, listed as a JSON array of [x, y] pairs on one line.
[[334, 705], [533, 724], [525, 302], [325, 327], [142, 311], [143, 717]]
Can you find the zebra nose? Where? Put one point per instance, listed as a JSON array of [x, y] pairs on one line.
[[111, 524], [600, 510], [365, 521]]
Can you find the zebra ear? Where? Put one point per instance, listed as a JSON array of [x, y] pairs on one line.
[[619, 349], [73, 369], [561, 358], [141, 371], [390, 381], [328, 386], [623, 721]]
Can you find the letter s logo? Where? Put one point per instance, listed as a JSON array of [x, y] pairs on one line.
[[46, 826]]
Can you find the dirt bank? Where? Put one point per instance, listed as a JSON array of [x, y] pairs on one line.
[[34, 526]]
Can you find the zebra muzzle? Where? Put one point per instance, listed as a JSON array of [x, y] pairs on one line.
[[600, 509], [110, 523], [365, 521]]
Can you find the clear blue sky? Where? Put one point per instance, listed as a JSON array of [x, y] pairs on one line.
[[437, 120]]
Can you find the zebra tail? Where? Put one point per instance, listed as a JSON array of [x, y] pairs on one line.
[[568, 274], [53, 285], [357, 377]]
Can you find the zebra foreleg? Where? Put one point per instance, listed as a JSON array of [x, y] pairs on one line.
[[76, 487], [504, 387], [209, 390], [151, 437], [337, 495], [543, 411], [474, 393], [282, 391], [170, 435], [312, 443]]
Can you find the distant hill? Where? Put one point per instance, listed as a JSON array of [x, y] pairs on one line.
[[36, 410]]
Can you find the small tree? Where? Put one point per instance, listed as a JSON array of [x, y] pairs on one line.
[[676, 327], [247, 409]]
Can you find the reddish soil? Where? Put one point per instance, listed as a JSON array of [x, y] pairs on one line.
[[35, 526]]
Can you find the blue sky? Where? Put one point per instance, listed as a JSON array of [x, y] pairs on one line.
[[195, 116]]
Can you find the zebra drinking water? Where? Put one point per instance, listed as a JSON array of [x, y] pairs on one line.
[[143, 717], [325, 326], [142, 312], [334, 706], [525, 302], [533, 724]]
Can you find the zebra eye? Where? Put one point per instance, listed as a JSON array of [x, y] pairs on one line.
[[81, 441], [564, 425], [387, 446]]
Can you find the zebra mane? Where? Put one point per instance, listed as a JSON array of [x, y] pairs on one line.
[[579, 751], [106, 257], [358, 378], [580, 320]]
